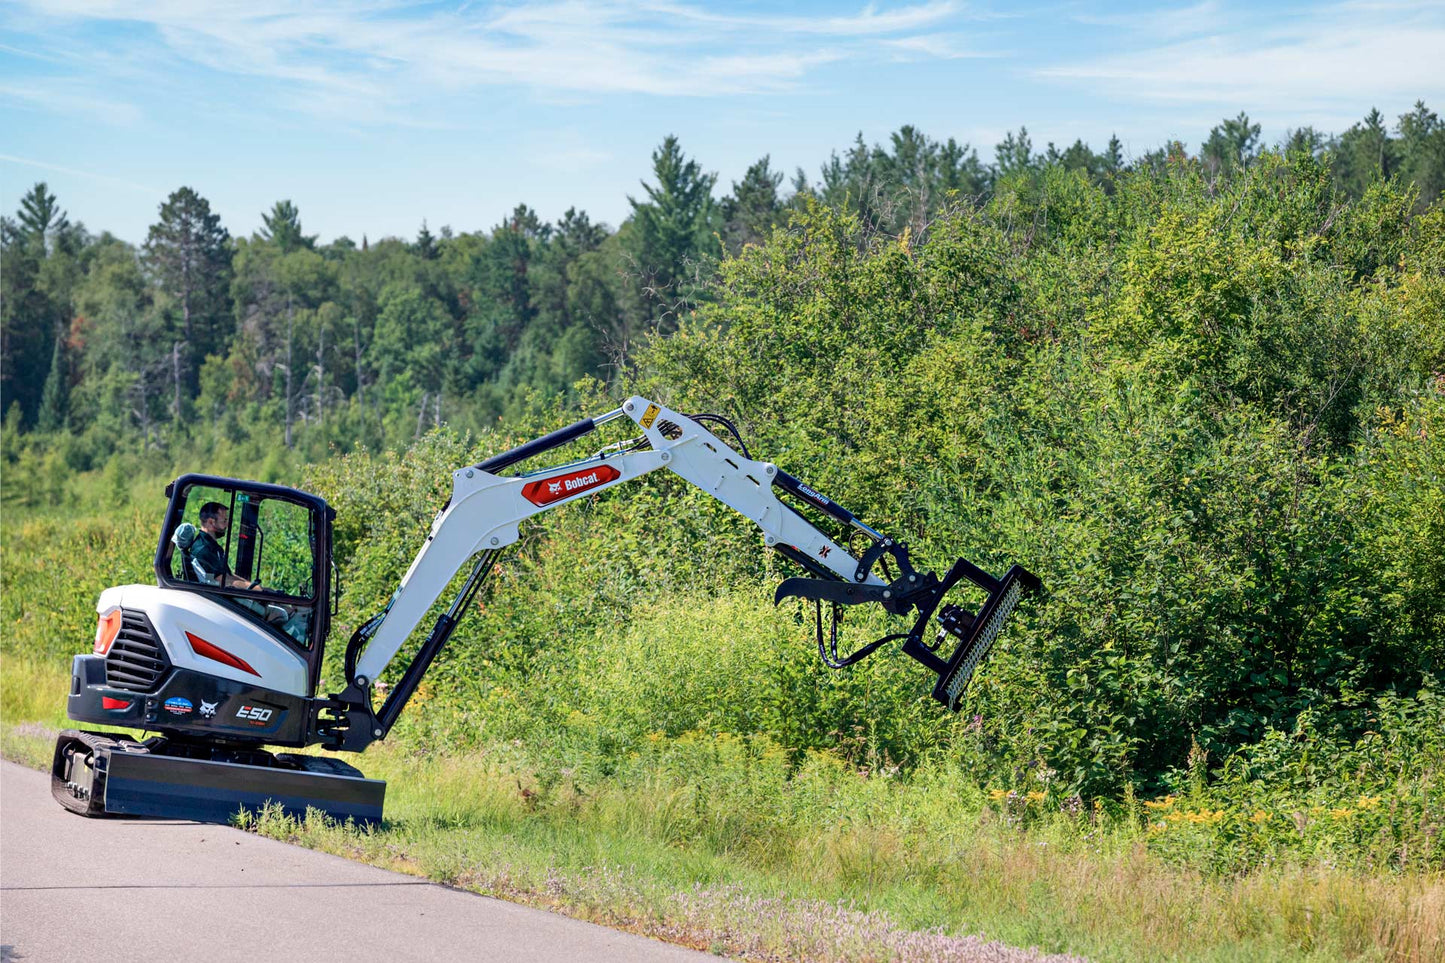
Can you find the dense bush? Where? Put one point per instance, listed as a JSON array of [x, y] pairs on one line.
[[1208, 413]]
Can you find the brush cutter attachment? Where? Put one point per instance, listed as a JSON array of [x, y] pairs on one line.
[[975, 631]]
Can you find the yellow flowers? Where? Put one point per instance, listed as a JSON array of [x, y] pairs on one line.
[[1166, 814], [1000, 795], [1206, 817]]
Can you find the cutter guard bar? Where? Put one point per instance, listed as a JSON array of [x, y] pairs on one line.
[[986, 628]]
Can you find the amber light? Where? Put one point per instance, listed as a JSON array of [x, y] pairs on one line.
[[106, 631]]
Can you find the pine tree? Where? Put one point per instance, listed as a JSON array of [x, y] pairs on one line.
[[283, 228], [673, 228], [41, 219], [1422, 153], [38, 271], [426, 245], [753, 208], [1014, 154], [1114, 155], [55, 396], [857, 181], [1232, 145], [960, 170], [1304, 140], [1364, 155], [908, 175], [187, 255]]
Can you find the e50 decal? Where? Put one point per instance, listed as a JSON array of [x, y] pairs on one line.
[[256, 715]]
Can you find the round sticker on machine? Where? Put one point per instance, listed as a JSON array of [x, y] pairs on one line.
[[178, 706]]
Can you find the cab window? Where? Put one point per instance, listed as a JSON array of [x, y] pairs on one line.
[[273, 545], [247, 543]]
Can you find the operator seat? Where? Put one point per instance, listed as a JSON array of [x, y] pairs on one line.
[[183, 538]]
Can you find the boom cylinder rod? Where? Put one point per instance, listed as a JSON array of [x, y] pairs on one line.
[[547, 442]]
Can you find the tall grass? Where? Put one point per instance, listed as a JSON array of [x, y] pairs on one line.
[[577, 751], [654, 849]]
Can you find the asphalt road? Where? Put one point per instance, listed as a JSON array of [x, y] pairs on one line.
[[139, 889]]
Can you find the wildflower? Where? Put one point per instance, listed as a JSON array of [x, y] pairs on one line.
[[1368, 802], [1036, 797], [1342, 813], [1260, 816], [1166, 803], [1203, 816], [997, 794]]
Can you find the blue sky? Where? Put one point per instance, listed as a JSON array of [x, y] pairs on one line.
[[373, 115]]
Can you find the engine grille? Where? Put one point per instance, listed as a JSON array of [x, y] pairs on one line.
[[136, 660]]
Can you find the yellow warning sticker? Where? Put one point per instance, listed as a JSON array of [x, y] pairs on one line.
[[649, 416]]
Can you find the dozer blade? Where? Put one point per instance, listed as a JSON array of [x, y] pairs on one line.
[[110, 777]]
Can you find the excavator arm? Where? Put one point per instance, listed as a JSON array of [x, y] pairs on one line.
[[486, 508]]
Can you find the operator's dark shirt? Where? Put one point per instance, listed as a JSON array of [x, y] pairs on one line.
[[209, 558]]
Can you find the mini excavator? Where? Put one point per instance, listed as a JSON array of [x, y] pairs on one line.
[[222, 657]]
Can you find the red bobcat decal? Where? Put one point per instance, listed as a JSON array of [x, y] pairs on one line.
[[545, 491]]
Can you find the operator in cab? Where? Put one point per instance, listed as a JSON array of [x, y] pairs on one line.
[[207, 557], [202, 547]]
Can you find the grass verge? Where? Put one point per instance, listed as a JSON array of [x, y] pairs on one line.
[[658, 848]]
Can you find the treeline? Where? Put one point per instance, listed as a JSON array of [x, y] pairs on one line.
[[197, 335], [1208, 412]]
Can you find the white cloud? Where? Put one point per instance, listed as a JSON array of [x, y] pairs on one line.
[[379, 60], [1169, 23], [942, 46], [69, 96], [867, 22], [43, 165], [1327, 62]]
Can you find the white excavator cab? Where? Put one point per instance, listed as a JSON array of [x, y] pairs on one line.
[[257, 550]]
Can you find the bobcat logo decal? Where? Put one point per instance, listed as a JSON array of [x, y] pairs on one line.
[[208, 709], [545, 491]]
